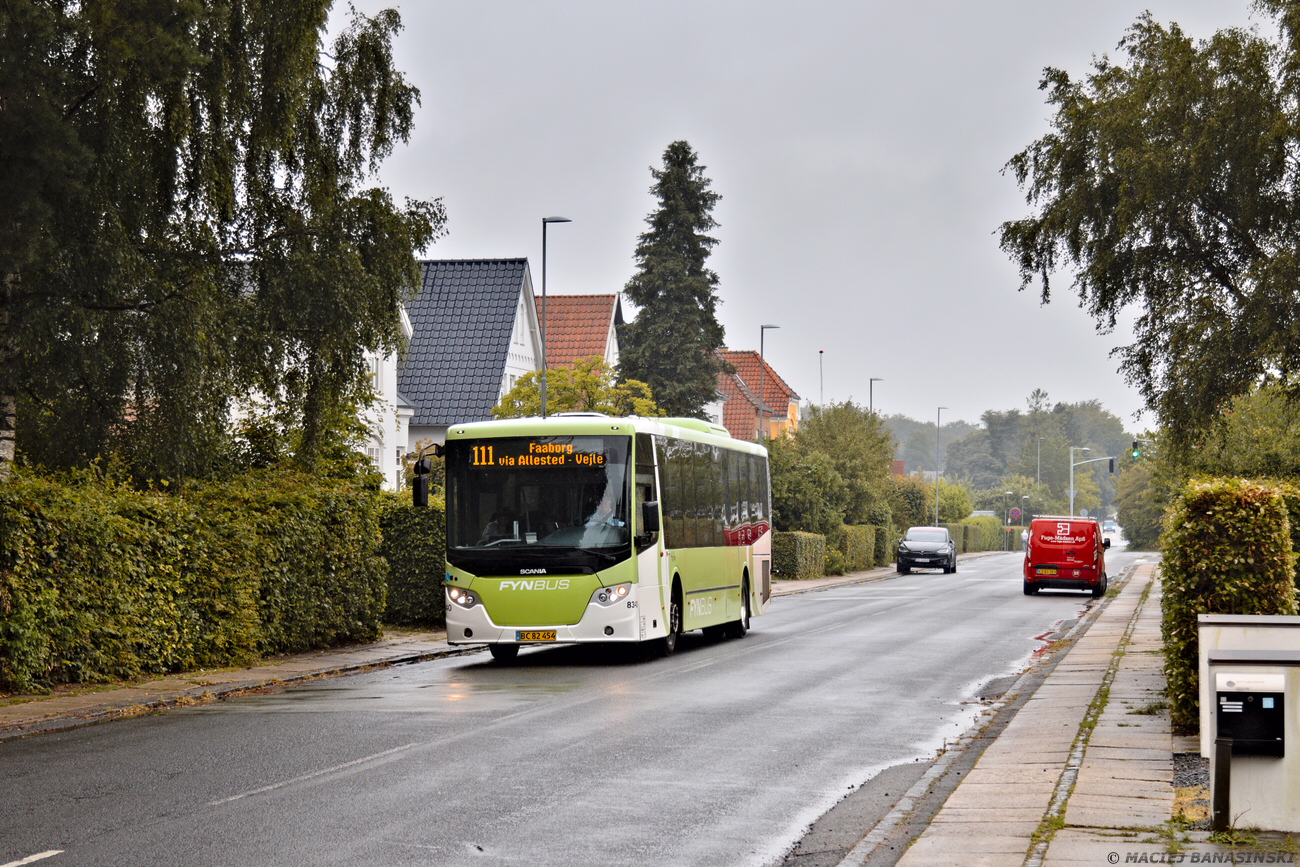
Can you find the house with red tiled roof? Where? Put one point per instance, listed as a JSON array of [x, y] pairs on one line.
[[757, 403], [581, 325]]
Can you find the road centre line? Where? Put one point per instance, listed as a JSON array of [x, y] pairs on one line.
[[31, 859], [303, 778]]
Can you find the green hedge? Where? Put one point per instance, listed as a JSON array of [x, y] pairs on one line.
[[1227, 550], [798, 555], [99, 581], [886, 543], [415, 547], [858, 546], [983, 533]]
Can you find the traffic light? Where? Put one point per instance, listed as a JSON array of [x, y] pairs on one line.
[[1112, 466], [1137, 449]]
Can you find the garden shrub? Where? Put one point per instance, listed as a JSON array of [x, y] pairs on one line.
[[858, 547], [414, 545], [983, 533], [99, 581], [958, 533], [1227, 550], [798, 555]]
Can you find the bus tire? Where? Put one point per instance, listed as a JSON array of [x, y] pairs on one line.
[[737, 628], [503, 653], [668, 644]]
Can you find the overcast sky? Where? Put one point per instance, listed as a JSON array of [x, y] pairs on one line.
[[857, 147]]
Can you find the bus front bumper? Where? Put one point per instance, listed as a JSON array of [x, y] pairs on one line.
[[599, 623]]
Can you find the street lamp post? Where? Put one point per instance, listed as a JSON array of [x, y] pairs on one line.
[[821, 377], [1040, 460], [1072, 448], [762, 373], [937, 427], [1006, 518], [871, 398], [545, 221]]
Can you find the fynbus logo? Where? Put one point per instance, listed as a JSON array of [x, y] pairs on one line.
[[537, 584]]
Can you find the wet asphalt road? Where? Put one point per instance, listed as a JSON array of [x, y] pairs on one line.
[[722, 754]]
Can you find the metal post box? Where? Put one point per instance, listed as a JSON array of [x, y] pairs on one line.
[[1250, 708]]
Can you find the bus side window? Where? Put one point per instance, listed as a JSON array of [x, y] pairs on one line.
[[646, 486]]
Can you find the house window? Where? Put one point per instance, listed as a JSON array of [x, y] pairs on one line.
[[373, 363], [373, 454]]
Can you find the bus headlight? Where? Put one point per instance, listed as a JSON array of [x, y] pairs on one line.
[[611, 595], [461, 597]]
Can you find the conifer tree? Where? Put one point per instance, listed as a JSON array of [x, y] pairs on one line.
[[671, 344]]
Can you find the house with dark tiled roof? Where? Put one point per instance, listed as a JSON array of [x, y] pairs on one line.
[[475, 331], [757, 402], [578, 326]]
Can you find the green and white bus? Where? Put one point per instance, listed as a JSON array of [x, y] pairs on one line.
[[582, 527]]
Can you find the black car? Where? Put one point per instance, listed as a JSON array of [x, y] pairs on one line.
[[927, 548]]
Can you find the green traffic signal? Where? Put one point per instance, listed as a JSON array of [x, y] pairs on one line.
[[1137, 450]]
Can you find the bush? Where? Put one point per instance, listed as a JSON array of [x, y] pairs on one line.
[[99, 581], [958, 533], [798, 555], [858, 545], [414, 544], [1227, 550], [983, 533], [886, 543]]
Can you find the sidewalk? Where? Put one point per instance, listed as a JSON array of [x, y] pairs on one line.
[[1083, 774], [34, 714]]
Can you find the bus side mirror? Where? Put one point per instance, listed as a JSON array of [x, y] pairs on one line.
[[650, 516]]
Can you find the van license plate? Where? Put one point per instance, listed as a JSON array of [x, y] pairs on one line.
[[1046, 571], [543, 635]]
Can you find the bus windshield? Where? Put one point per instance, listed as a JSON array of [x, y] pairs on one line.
[[548, 501]]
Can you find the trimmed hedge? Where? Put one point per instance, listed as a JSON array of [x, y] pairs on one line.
[[415, 547], [886, 543], [798, 555], [1227, 550], [983, 533], [99, 581], [858, 545]]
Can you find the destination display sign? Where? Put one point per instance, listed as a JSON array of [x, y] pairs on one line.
[[541, 453]]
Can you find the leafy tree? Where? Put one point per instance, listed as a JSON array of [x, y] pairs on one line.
[[1168, 184], [971, 460], [1256, 436], [671, 344], [860, 447], [186, 224], [911, 502], [954, 502], [808, 493], [589, 386], [1140, 507]]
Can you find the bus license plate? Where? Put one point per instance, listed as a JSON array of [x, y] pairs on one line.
[[542, 635], [1046, 571]]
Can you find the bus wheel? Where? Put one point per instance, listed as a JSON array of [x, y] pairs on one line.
[[737, 628], [668, 643], [504, 653]]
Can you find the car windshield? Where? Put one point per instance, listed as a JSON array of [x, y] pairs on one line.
[[925, 536], [523, 502]]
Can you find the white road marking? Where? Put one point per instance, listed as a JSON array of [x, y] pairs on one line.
[[303, 778], [39, 856]]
